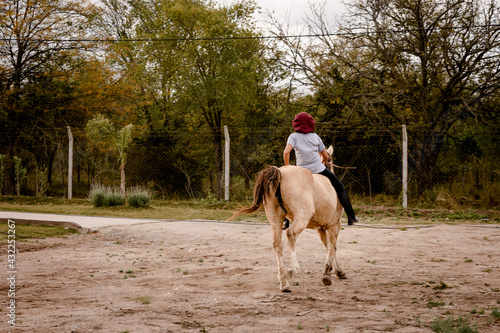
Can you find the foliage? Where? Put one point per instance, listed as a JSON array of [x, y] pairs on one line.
[[102, 136], [20, 173], [113, 198], [122, 141], [181, 70], [2, 171], [35, 99], [100, 132], [428, 65], [203, 72], [138, 197], [97, 196], [105, 196], [41, 185]]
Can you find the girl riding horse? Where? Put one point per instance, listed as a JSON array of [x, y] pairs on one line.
[[308, 148]]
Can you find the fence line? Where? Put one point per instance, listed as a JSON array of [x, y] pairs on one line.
[[181, 165]]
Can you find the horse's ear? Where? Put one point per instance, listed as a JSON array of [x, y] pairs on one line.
[[330, 150]]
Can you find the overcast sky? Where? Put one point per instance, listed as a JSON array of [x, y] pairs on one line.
[[294, 11]]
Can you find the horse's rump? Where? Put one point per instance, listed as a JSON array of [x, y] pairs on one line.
[[304, 193]]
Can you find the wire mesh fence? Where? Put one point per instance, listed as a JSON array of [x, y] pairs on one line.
[[187, 169]]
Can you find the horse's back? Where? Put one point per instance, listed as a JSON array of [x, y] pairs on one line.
[[297, 191]]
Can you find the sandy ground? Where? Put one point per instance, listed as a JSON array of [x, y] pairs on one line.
[[222, 277]]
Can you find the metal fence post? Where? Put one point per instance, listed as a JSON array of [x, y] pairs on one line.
[[227, 163], [70, 164], [405, 167]]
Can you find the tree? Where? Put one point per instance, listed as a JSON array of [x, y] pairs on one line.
[[122, 141], [102, 135], [226, 76], [425, 64], [30, 47], [197, 65]]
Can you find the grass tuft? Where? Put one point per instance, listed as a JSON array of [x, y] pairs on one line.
[[101, 196], [138, 197], [451, 325]]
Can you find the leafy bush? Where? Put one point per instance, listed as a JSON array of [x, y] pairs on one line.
[[138, 197]]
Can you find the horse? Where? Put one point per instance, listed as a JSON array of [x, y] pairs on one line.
[[307, 199]]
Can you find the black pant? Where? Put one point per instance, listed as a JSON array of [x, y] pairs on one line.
[[341, 192]]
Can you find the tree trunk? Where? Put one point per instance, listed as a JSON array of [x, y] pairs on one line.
[[122, 178]]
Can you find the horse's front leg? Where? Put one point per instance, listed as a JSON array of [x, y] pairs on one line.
[[327, 274]]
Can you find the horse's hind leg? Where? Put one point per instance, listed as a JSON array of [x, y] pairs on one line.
[[276, 218], [329, 239], [292, 234]]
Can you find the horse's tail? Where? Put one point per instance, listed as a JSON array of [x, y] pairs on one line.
[[267, 184]]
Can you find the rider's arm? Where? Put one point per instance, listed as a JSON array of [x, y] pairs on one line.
[[325, 156], [286, 153]]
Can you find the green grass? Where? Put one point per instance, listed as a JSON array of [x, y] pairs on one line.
[[441, 286], [434, 304], [179, 210], [144, 299], [451, 325], [27, 231], [216, 210]]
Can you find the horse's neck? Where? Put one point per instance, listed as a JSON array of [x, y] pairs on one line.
[[329, 165]]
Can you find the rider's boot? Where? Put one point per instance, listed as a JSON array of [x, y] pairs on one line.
[[346, 203]]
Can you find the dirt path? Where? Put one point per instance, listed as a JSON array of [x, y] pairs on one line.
[[220, 277]]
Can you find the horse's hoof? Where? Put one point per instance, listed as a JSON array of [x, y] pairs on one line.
[[286, 289], [327, 280], [341, 275]]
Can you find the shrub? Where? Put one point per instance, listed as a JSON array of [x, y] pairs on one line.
[[96, 195], [105, 196], [113, 198], [138, 197]]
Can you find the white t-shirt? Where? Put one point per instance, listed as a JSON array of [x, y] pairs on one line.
[[307, 148]]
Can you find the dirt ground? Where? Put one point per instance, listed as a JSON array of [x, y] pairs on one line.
[[222, 277]]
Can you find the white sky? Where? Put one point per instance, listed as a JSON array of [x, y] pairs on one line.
[[294, 11]]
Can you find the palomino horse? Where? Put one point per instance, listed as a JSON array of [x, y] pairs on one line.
[[307, 199]]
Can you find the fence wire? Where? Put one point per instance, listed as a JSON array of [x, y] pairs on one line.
[[184, 166]]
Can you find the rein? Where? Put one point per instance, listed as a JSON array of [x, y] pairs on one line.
[[330, 165]]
